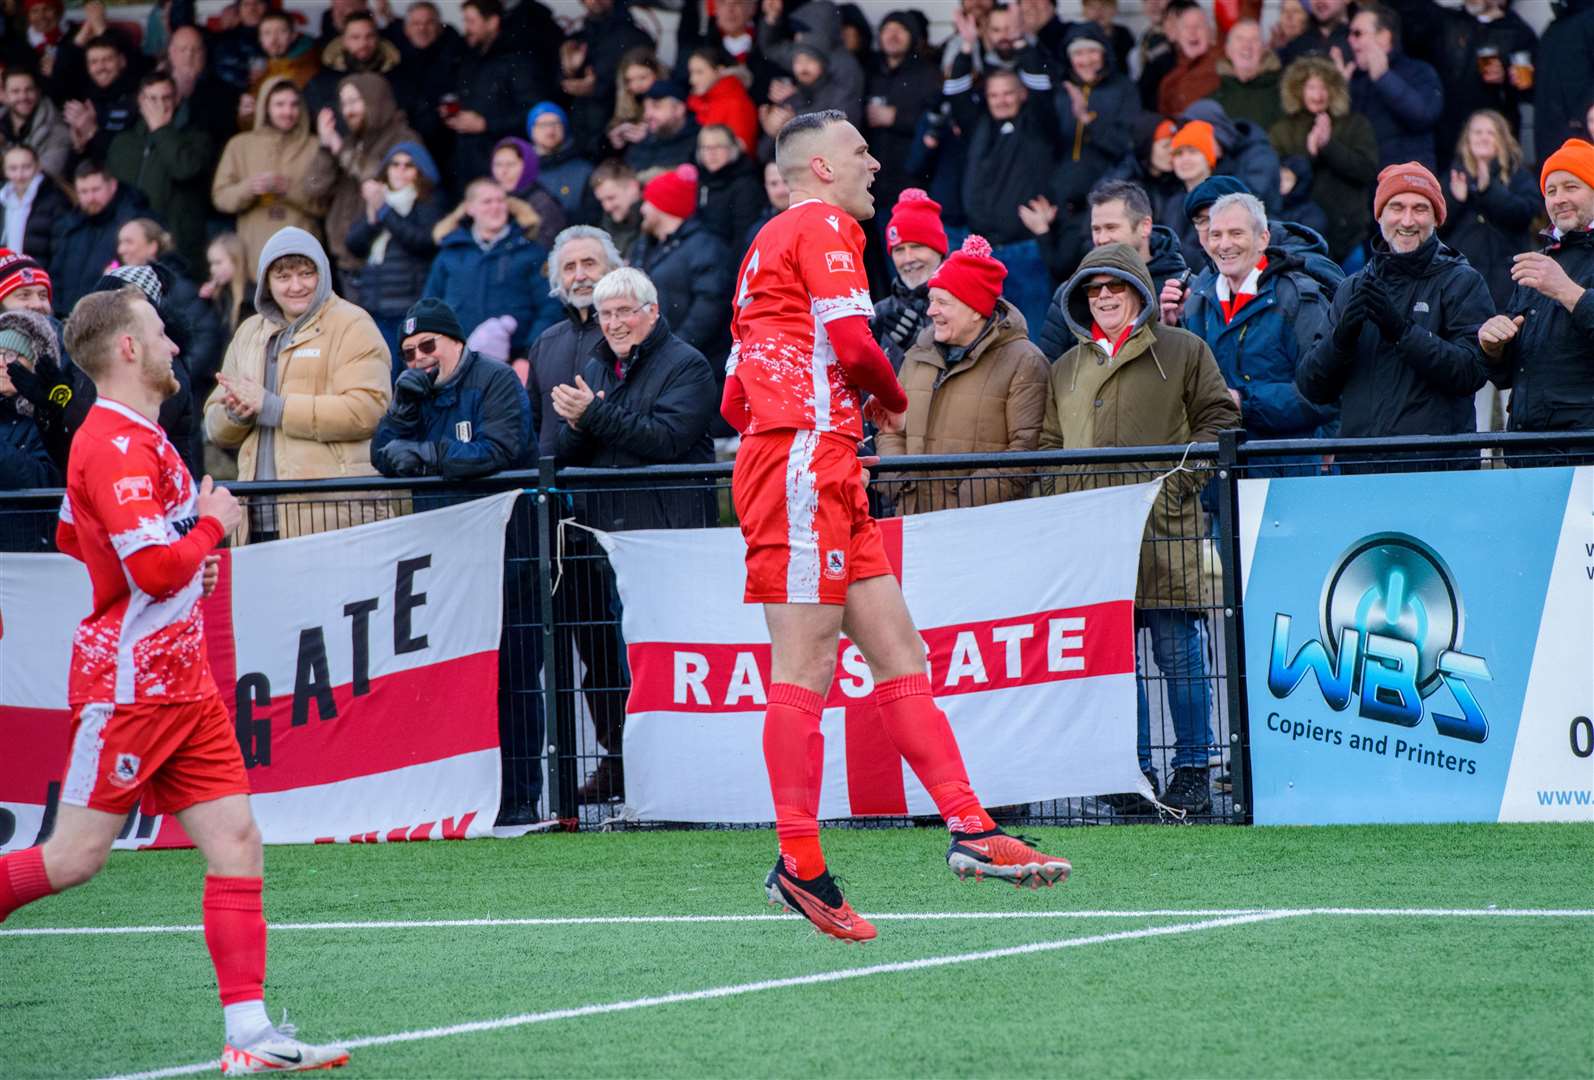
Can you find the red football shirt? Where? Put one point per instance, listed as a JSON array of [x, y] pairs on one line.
[[127, 489], [805, 269]]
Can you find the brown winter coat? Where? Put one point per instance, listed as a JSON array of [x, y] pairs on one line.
[[335, 378], [338, 177], [265, 149], [993, 401], [1163, 388]]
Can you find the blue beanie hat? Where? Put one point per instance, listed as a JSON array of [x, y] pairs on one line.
[[1210, 191], [542, 108], [418, 154]]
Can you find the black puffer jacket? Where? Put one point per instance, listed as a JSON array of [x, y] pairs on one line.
[[1422, 383], [1167, 261], [562, 350], [729, 201], [693, 272], [50, 205], [655, 410], [501, 86], [1549, 365], [388, 288]]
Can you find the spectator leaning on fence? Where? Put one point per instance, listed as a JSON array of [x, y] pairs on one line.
[[1403, 357], [917, 242], [582, 255], [645, 397], [975, 384], [1130, 381], [1542, 347], [301, 390]]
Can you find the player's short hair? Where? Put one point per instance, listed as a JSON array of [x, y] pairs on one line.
[[96, 322], [791, 144], [626, 281], [1137, 204], [1247, 202]]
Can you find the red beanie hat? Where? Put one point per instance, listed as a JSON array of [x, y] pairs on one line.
[[18, 271], [916, 219], [1575, 156], [674, 192], [1412, 178], [973, 275]]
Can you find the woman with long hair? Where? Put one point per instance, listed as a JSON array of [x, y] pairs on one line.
[[1493, 200], [639, 69], [1340, 144], [229, 289]]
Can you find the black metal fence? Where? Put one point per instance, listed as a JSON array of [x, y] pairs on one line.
[[563, 671]]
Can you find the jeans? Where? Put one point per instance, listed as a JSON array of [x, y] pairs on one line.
[[1028, 285], [1179, 646]]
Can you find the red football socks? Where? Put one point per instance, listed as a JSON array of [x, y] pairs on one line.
[[794, 753], [919, 729], [235, 934], [22, 880]]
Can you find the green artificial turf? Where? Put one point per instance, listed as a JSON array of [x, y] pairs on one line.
[[1307, 995]]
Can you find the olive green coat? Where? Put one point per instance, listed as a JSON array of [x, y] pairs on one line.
[[1163, 387]]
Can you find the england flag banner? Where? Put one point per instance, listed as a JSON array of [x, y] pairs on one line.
[[360, 667], [1027, 614]]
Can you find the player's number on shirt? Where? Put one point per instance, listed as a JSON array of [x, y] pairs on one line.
[[747, 278]]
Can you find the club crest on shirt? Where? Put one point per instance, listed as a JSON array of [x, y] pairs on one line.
[[125, 772], [835, 563], [133, 488], [838, 262]]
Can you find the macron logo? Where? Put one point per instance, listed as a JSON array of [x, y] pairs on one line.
[[121, 443], [835, 222]]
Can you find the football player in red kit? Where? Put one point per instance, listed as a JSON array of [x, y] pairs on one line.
[[802, 360], [148, 722]]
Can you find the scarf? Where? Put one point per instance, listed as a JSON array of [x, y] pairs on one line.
[[401, 202], [1110, 346], [1230, 301], [17, 209]]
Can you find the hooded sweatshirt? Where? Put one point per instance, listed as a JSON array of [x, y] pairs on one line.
[[289, 241], [338, 177]]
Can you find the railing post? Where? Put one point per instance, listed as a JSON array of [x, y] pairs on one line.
[[1234, 622], [560, 747]]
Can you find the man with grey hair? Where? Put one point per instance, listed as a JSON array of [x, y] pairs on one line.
[[643, 397], [582, 254], [1259, 310]]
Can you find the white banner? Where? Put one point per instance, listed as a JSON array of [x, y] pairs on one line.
[[360, 666], [1027, 612]]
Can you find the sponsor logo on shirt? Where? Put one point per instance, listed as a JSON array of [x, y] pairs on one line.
[[307, 352], [838, 262], [132, 489]]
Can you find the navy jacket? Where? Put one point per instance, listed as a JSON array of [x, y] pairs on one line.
[[479, 419], [694, 273], [555, 358], [1549, 365], [1404, 108], [388, 289], [24, 461], [507, 279], [1423, 382]]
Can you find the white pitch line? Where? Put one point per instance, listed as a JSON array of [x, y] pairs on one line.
[[901, 916], [738, 989]]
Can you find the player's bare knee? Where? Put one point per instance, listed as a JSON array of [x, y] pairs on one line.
[[72, 861]]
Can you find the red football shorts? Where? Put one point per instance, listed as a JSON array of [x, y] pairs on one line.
[[804, 514], [173, 755]]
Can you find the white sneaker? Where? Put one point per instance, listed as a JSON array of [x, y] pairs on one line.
[[278, 1051]]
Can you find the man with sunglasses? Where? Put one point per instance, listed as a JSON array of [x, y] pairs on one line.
[[455, 413]]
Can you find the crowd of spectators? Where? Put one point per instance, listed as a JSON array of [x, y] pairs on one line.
[[402, 222]]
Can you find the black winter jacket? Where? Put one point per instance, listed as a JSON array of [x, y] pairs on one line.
[[1009, 163], [1422, 383], [729, 201], [1491, 225], [656, 409], [38, 235], [1167, 261], [82, 247], [889, 327], [388, 289], [24, 461], [693, 272], [556, 356], [1549, 365], [502, 87], [478, 421]]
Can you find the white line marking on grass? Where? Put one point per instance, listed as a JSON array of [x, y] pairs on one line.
[[900, 916], [738, 989]]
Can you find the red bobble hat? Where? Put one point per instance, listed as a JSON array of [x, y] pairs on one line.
[[916, 219], [674, 192], [973, 275], [18, 271]]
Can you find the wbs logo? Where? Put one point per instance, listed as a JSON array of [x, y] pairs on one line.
[[1391, 635]]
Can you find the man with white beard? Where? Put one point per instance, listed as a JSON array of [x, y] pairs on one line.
[[916, 240], [581, 255]]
